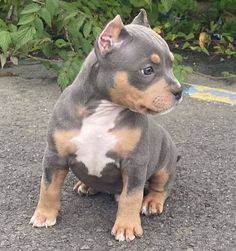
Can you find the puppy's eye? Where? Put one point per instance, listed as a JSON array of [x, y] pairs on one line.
[[147, 70]]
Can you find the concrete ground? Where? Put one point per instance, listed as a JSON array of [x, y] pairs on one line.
[[199, 215]]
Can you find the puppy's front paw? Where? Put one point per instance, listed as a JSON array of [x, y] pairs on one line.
[[44, 217], [153, 203], [127, 229], [83, 189]]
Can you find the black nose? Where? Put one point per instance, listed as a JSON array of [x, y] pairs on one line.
[[178, 93]]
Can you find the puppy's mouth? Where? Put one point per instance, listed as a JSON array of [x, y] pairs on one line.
[[155, 110], [150, 111]]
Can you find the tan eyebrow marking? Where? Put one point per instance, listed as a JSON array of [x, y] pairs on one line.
[[155, 58]]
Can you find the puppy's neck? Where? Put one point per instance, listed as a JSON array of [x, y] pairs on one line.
[[83, 89]]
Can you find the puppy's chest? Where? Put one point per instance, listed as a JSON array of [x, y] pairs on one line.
[[96, 139]]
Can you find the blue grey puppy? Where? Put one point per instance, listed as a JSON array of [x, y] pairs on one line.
[[100, 128]]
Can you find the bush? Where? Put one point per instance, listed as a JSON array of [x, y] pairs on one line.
[[51, 29]]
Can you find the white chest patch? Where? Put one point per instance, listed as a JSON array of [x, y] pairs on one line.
[[95, 140]]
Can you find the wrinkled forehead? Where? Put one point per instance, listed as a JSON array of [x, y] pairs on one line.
[[147, 37], [145, 45]]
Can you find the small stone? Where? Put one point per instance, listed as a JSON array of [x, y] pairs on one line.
[[109, 243], [85, 247], [99, 229]]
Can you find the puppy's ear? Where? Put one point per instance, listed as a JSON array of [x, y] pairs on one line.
[[141, 19], [112, 36]]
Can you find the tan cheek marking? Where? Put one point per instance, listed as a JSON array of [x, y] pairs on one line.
[[127, 140], [155, 58], [63, 142], [158, 89], [125, 94], [172, 56]]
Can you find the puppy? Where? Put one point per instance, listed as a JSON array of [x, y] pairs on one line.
[[100, 128]]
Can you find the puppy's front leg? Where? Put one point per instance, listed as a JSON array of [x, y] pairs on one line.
[[128, 223], [49, 199]]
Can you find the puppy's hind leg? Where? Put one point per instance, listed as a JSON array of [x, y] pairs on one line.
[[82, 189], [159, 187]]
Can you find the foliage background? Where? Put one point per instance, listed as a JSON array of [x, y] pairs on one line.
[[48, 30]]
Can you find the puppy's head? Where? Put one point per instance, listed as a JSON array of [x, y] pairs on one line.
[[135, 67]]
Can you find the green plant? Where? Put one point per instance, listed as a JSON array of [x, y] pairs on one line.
[[65, 30], [208, 27], [181, 71], [54, 29]]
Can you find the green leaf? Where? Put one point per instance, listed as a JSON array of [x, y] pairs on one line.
[[48, 50], [3, 59], [205, 51], [3, 25], [86, 10], [189, 36], [165, 6], [138, 3], [230, 39], [81, 20], [63, 80], [24, 35], [149, 3], [55, 67], [26, 19], [86, 46], [195, 48], [38, 24], [12, 27], [71, 15], [76, 65], [31, 8], [188, 69], [72, 28], [96, 31], [60, 43], [181, 35], [186, 45], [46, 16], [178, 58], [63, 54], [87, 29], [5, 40], [52, 6]]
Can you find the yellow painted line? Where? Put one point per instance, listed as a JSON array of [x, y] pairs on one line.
[[210, 94]]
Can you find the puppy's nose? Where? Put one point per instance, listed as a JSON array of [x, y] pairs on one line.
[[178, 93]]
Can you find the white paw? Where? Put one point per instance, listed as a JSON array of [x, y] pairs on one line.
[[40, 221], [120, 237], [144, 210]]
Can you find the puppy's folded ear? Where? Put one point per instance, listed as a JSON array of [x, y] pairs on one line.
[[112, 36], [141, 19]]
